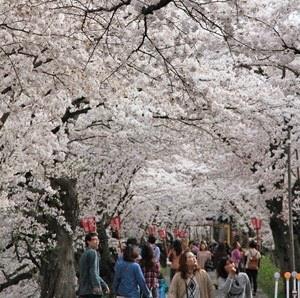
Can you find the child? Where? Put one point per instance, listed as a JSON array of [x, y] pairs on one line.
[[163, 287]]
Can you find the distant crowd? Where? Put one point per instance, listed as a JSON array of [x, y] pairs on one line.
[[139, 270]]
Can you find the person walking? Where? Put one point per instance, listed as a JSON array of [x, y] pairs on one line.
[[151, 270], [203, 255], [156, 249], [173, 257], [190, 281], [220, 253], [253, 258], [129, 280], [91, 285], [232, 283], [236, 255]]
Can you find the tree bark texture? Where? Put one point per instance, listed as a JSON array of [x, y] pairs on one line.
[[58, 266], [280, 231]]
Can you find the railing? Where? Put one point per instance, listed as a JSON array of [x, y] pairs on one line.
[[292, 280]]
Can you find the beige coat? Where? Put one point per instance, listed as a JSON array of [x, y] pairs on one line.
[[178, 286]]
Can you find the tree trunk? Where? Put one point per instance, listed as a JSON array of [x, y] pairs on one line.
[[281, 240], [107, 261], [58, 267], [281, 236]]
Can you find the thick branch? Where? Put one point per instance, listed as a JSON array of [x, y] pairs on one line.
[[110, 9], [70, 115], [151, 8], [17, 279], [3, 119]]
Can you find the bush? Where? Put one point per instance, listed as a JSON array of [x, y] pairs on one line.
[[266, 280]]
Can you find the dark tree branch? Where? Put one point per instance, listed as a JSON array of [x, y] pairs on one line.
[[6, 90], [259, 69], [3, 119], [19, 30], [14, 68], [151, 8], [70, 115], [109, 9], [15, 280]]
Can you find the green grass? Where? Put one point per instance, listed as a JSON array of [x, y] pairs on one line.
[[266, 280]]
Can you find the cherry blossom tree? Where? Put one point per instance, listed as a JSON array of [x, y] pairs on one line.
[[126, 106]]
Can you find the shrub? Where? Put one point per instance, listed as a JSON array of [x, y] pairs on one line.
[[266, 280]]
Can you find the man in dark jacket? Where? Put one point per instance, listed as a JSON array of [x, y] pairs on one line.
[[91, 285]]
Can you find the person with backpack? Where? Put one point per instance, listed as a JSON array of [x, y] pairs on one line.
[[253, 257]]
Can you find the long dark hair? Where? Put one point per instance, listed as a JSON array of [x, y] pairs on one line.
[[183, 268], [253, 244], [221, 272], [147, 257], [177, 247]]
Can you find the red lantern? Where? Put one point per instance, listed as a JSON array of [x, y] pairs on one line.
[[115, 223], [256, 222], [183, 234], [89, 224]]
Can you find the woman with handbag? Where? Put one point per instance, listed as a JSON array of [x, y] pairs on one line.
[[203, 256], [252, 264]]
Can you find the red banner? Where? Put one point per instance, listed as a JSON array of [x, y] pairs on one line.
[[183, 234], [151, 230], [88, 224], [115, 223], [256, 222], [180, 233]]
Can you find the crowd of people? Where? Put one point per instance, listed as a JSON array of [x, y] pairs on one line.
[[137, 270]]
